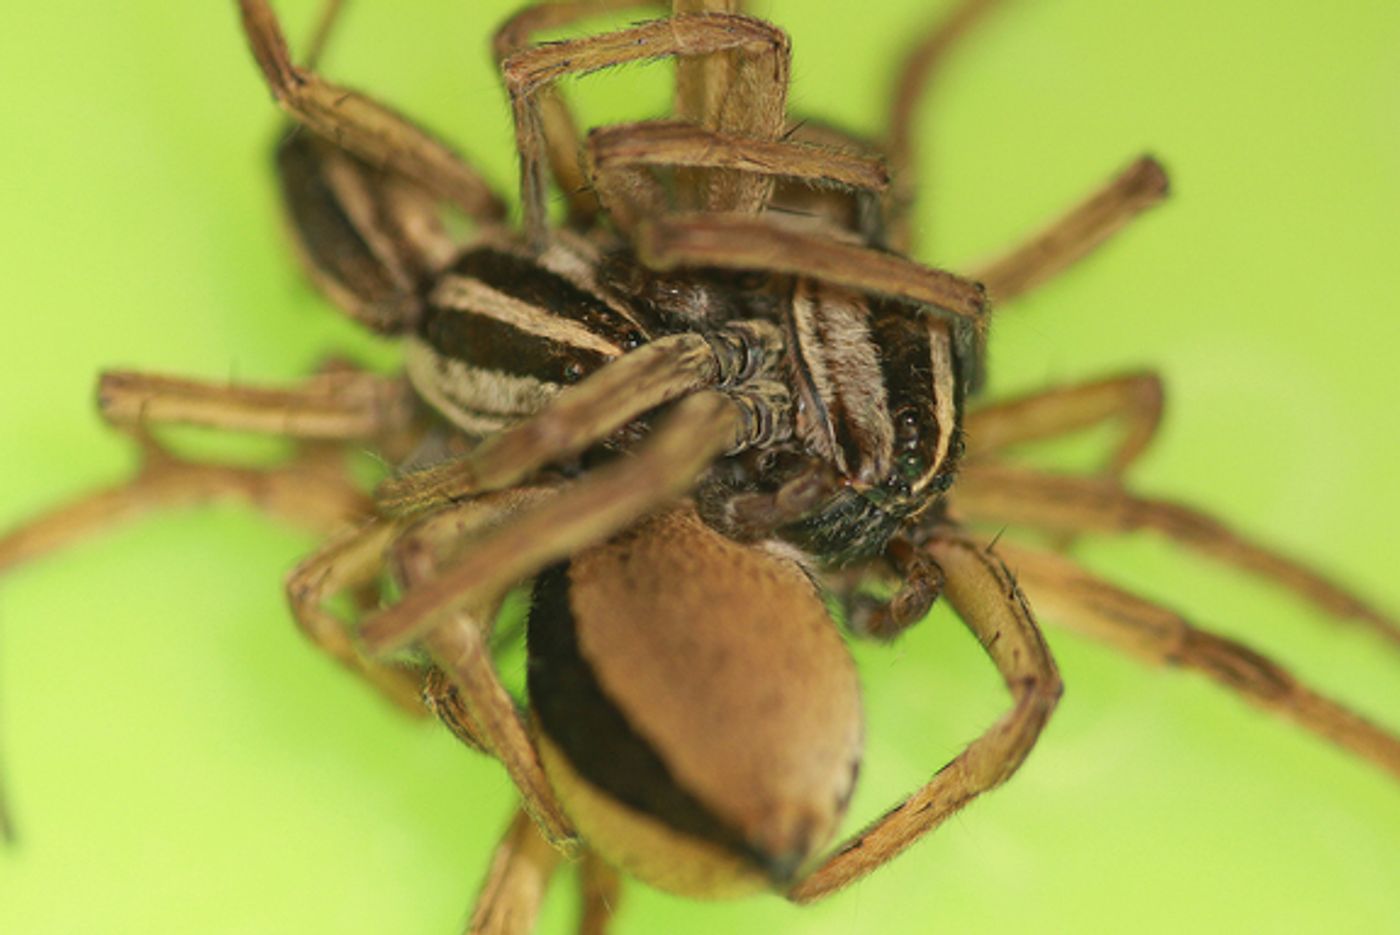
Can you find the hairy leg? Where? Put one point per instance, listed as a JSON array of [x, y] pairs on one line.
[[621, 155], [733, 242], [857, 211], [915, 76], [1076, 233], [997, 494], [480, 709], [1083, 602], [308, 491], [349, 563], [369, 130], [342, 405], [753, 104], [600, 890], [1134, 400], [989, 602], [510, 896], [589, 412], [368, 238], [699, 429], [920, 583], [558, 128]]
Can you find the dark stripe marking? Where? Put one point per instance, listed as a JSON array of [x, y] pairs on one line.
[[577, 715]]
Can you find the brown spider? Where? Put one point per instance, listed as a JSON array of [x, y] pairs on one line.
[[348, 406]]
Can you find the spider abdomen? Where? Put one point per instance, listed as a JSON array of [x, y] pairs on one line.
[[681, 718]]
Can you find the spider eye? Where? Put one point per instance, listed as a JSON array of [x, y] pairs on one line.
[[906, 430], [910, 466], [572, 372]]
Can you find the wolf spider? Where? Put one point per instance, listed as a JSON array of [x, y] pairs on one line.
[[561, 474]]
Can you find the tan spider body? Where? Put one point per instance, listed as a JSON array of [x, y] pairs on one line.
[[722, 389]]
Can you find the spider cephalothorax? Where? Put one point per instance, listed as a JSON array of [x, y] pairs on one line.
[[718, 393]]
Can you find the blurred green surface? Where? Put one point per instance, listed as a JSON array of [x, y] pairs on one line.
[[180, 761]]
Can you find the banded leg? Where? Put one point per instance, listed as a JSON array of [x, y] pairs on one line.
[[558, 129], [988, 493], [735, 242], [1133, 399], [590, 411], [374, 133], [989, 602], [915, 76], [619, 156], [699, 429], [1075, 234], [510, 896], [753, 106], [1154, 634]]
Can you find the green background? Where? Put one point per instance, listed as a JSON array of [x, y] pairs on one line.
[[179, 760]]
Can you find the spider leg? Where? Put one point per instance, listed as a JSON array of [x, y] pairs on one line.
[[857, 210], [600, 889], [1133, 399], [697, 430], [369, 130], [340, 405], [753, 102], [1155, 634], [921, 582], [441, 696], [366, 237], [311, 489], [509, 899], [588, 412], [993, 493], [350, 562], [369, 239], [915, 76], [1076, 233], [749, 517], [320, 36], [481, 708], [701, 83], [619, 154], [989, 602], [306, 491], [735, 242], [557, 125]]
